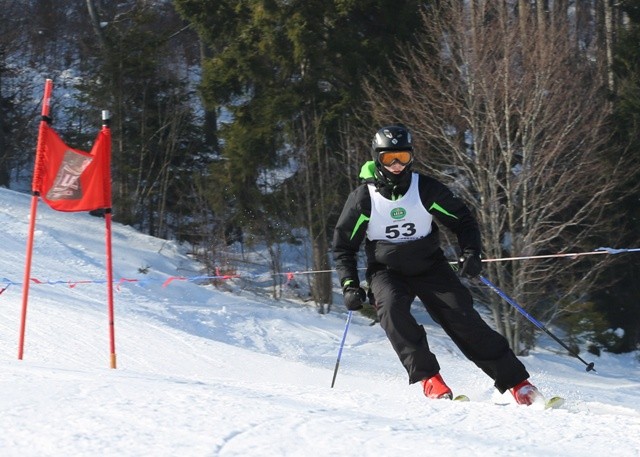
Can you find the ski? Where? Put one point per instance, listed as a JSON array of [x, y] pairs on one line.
[[554, 402]]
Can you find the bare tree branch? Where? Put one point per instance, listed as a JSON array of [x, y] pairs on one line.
[[515, 122]]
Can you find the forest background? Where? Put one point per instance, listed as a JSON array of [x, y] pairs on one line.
[[247, 122]]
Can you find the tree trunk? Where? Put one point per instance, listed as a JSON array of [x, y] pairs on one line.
[[4, 153], [317, 172], [95, 23], [210, 116], [609, 44], [322, 284]]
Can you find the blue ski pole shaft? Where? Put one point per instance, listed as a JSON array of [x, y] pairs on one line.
[[344, 337], [534, 321]]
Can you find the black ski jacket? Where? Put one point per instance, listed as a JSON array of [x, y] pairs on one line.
[[409, 258]]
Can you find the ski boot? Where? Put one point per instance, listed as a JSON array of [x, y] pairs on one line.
[[526, 393], [434, 387]]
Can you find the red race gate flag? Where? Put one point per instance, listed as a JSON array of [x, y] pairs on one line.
[[70, 180], [74, 180]]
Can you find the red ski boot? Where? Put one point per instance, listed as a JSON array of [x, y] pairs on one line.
[[434, 387], [525, 393]]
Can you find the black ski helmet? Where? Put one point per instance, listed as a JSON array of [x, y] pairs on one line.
[[391, 138]]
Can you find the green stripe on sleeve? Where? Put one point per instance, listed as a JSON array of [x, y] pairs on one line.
[[442, 210], [361, 220]]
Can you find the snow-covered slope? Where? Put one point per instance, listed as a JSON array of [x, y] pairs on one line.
[[206, 373]]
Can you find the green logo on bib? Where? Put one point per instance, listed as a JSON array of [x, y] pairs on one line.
[[398, 213]]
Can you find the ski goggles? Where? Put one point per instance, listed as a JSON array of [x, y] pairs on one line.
[[387, 158]]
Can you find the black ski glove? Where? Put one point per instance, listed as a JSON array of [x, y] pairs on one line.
[[354, 297], [470, 264]]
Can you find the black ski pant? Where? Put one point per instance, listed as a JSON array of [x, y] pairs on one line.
[[449, 303]]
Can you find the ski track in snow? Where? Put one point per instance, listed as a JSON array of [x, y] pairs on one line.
[[205, 373]]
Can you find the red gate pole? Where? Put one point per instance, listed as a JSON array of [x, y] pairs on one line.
[[35, 187], [107, 219]]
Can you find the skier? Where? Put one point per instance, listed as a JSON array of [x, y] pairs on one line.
[[393, 211]]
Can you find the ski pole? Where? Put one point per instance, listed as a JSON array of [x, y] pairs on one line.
[[534, 321], [344, 336]]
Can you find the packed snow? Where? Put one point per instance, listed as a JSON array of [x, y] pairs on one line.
[[228, 371]]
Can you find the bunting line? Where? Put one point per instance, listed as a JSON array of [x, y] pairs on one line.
[[290, 275], [570, 254]]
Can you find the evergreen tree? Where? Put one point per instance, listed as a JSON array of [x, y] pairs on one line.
[[289, 74], [139, 72]]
